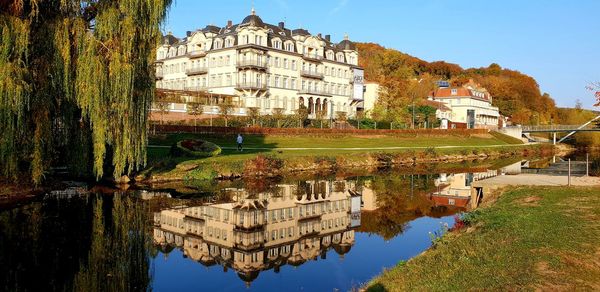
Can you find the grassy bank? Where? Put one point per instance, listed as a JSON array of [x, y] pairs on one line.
[[277, 154], [529, 239]]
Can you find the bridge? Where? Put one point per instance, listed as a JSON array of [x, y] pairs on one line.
[[590, 126]]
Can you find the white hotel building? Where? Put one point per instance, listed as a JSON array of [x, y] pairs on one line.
[[263, 66]]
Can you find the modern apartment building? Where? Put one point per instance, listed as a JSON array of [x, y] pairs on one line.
[[254, 64]]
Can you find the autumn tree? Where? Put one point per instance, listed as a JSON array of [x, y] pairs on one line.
[[195, 109], [254, 114], [226, 109], [76, 73]]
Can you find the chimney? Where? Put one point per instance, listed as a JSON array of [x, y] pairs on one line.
[[229, 23], [282, 25], [328, 37], [188, 33], [319, 35]]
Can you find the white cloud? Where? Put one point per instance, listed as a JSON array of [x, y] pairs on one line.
[[340, 5]]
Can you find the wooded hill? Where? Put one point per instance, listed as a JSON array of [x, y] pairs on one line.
[[516, 94]]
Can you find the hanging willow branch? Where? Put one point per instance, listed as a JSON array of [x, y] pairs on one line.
[[76, 83]]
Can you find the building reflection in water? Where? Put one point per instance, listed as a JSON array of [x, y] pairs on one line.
[[291, 225], [456, 189]]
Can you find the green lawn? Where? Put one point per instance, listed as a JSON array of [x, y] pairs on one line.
[[530, 239], [231, 161], [276, 141]]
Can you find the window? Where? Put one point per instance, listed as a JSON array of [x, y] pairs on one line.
[[258, 40], [289, 47], [293, 64], [285, 64], [276, 81], [277, 62], [454, 91], [293, 85], [285, 82]]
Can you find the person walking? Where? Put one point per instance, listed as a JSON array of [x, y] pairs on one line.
[[240, 141]]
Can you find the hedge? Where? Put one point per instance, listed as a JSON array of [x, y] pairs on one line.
[[316, 131]]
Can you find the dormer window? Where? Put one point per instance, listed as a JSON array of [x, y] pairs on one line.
[[277, 44], [454, 91], [289, 47], [229, 43], [340, 57], [330, 55], [218, 44]]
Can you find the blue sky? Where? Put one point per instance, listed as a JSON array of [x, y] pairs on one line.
[[555, 41]]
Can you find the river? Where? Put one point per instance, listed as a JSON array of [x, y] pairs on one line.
[[316, 233]]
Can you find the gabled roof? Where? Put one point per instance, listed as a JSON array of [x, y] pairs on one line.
[[459, 92]]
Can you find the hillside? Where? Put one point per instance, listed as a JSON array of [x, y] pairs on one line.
[[516, 94]]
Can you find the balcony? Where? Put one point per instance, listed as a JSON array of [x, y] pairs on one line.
[[196, 54], [314, 91], [312, 74], [196, 88], [251, 86], [252, 64], [196, 71], [312, 57]]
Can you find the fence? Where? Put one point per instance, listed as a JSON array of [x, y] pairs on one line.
[[313, 131]]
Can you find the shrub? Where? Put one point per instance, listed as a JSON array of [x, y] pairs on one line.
[[195, 148], [430, 151], [263, 165]]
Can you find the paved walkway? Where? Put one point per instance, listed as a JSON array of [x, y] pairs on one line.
[[536, 180], [360, 148]]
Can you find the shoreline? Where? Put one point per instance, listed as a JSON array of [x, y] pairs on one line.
[[272, 164], [519, 215]]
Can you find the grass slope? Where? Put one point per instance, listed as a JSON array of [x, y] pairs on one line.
[[530, 239], [231, 161]]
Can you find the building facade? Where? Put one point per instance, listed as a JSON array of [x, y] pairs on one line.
[[471, 106], [257, 65]]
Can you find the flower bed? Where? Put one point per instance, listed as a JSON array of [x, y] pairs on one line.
[[195, 148]]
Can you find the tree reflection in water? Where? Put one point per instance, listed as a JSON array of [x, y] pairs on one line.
[[119, 255], [86, 243]]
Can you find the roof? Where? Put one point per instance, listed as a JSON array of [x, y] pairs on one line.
[[170, 40], [274, 31], [436, 104], [460, 92], [253, 20]]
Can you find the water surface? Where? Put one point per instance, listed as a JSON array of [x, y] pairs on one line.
[[312, 234]]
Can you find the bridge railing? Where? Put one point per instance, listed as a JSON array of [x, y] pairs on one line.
[[549, 128]]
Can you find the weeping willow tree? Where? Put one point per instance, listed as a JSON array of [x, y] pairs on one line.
[[76, 84]]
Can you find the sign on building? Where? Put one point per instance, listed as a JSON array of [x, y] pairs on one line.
[[359, 84]]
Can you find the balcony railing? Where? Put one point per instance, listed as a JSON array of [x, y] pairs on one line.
[[195, 88], [258, 64], [312, 57], [196, 71], [251, 86], [314, 91], [196, 54], [312, 74]]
